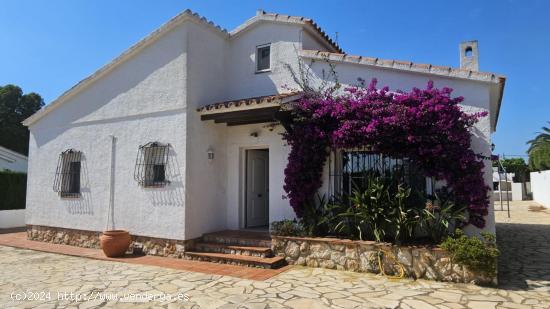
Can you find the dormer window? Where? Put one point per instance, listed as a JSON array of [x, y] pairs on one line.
[[263, 58]]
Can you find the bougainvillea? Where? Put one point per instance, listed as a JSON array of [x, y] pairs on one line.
[[425, 125]]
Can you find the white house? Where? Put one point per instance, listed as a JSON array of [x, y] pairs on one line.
[[13, 161], [192, 109]]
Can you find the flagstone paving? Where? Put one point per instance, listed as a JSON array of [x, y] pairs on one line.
[[59, 281], [49, 280], [524, 242]]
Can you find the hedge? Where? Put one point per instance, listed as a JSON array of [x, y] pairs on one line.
[[13, 189]]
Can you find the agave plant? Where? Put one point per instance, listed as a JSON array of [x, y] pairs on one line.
[[539, 150]]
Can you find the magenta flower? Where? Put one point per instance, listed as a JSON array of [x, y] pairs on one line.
[[426, 126]]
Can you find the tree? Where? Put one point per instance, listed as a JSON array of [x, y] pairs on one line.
[[14, 108], [539, 150], [516, 166]]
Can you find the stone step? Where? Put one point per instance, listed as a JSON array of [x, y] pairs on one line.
[[232, 249], [234, 259], [239, 238]]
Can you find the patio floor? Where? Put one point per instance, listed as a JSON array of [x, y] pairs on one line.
[[19, 240], [62, 281], [89, 280], [524, 242]]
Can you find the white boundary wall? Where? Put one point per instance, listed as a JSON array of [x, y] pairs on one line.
[[12, 218], [540, 185]]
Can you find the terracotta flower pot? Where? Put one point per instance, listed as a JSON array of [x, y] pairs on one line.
[[115, 242]]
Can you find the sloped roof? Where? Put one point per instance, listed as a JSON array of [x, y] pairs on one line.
[[262, 16], [497, 81], [250, 103], [405, 66], [134, 49], [172, 23], [8, 154]]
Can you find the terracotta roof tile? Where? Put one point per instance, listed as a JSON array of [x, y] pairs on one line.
[[262, 16], [405, 66], [275, 98]]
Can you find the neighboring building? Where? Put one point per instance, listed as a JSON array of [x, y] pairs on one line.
[[192, 107], [13, 161]]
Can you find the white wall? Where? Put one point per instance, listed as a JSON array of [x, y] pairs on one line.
[[13, 161], [12, 218], [540, 186], [205, 191], [518, 191], [238, 139], [241, 79], [311, 43], [140, 101]]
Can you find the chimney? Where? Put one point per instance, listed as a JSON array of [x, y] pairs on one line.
[[469, 56]]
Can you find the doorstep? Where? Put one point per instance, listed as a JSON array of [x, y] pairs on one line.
[[19, 240]]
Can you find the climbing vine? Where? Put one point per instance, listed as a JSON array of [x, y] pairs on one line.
[[425, 125]]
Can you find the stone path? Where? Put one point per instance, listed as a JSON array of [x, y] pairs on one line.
[[60, 281], [33, 279], [524, 242], [19, 239]]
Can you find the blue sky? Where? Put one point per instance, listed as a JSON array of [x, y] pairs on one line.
[[48, 46]]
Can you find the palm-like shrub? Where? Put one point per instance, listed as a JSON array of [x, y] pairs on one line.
[[440, 216], [539, 150], [379, 211]]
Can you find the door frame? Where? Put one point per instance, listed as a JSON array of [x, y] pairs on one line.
[[242, 182]]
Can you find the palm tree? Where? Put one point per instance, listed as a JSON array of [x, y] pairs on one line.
[[539, 150]]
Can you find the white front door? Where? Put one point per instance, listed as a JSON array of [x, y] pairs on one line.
[[257, 187]]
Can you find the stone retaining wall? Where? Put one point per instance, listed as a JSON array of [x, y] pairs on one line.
[[362, 256], [90, 239]]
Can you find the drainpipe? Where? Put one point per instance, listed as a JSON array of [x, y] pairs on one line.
[[111, 213]]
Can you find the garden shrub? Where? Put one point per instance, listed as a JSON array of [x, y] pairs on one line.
[[440, 216], [478, 255], [425, 125], [13, 188], [382, 210], [377, 212], [286, 228]]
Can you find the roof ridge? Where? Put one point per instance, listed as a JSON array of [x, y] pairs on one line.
[[262, 15], [203, 20], [125, 55]]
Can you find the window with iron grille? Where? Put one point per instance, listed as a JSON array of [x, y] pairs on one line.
[[151, 165], [349, 170], [67, 174]]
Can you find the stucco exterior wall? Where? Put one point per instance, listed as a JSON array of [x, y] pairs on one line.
[[140, 101], [222, 70], [540, 186], [310, 42], [205, 191], [238, 140], [241, 78]]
